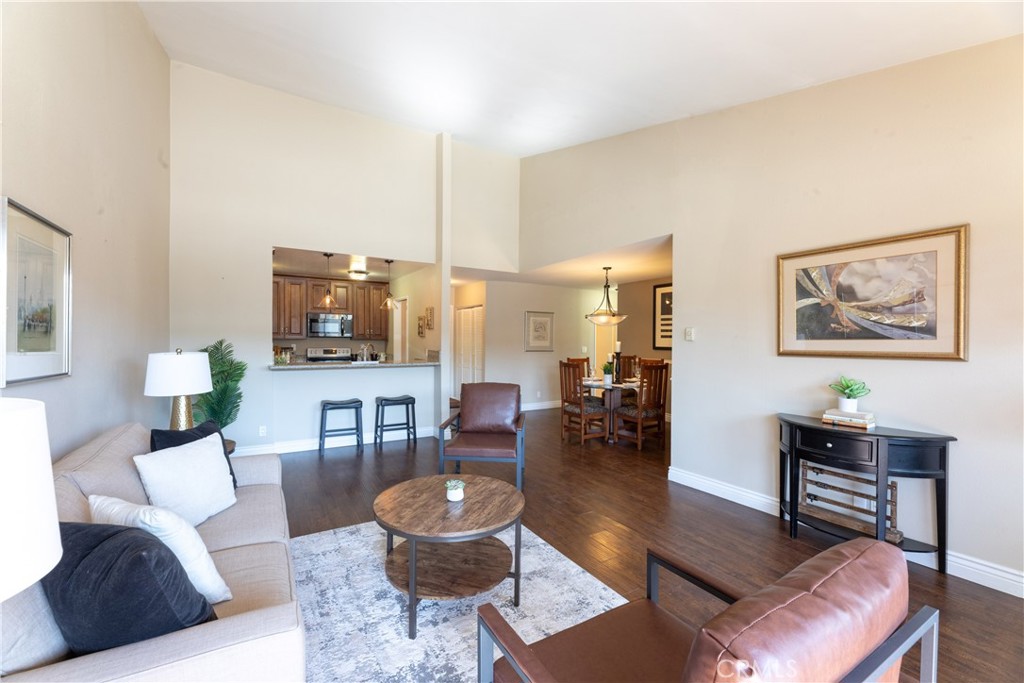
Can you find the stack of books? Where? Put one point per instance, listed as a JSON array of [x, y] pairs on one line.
[[845, 418]]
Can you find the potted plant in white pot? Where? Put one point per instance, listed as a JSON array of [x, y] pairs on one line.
[[849, 391], [455, 490], [608, 368]]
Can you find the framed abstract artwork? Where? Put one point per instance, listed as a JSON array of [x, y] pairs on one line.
[[35, 276], [898, 297], [662, 318], [539, 333]]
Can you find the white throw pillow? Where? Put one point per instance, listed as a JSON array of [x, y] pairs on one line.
[[177, 534], [192, 480]]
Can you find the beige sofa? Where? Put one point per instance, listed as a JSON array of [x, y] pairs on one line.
[[258, 634]]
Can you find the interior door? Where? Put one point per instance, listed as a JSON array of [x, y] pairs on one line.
[[469, 346]]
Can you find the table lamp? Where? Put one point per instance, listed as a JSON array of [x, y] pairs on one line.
[[28, 507], [179, 375]]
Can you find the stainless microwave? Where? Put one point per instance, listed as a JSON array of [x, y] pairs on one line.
[[328, 324]]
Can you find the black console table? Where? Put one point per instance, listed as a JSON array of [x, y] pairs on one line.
[[881, 451]]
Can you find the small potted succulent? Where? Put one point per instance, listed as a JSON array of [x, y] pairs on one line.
[[849, 391], [608, 368], [456, 489]]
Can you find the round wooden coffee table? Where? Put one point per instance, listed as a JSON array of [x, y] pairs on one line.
[[449, 551]]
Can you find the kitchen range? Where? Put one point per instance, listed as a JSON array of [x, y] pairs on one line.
[[366, 355]]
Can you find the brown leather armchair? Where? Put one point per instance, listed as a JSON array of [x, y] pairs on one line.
[[491, 428], [838, 616]]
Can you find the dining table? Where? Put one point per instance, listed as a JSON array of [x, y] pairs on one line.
[[612, 397]]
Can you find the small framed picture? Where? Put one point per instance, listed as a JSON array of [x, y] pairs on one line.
[[430, 317], [421, 326], [540, 331]]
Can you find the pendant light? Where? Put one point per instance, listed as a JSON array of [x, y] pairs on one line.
[[328, 301], [389, 300], [604, 314]]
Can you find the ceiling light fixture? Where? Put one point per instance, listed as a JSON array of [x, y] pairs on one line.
[[389, 300], [358, 274], [328, 301], [604, 314]]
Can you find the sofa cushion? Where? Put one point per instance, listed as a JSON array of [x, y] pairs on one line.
[[160, 439], [116, 585], [489, 407], [193, 480], [29, 636], [260, 576], [814, 624], [177, 534], [104, 465], [258, 516]]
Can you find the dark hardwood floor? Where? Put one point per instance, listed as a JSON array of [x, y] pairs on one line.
[[602, 506]]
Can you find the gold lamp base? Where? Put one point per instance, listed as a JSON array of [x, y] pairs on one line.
[[181, 413]]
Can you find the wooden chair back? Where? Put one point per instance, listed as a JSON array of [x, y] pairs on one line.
[[653, 386], [585, 362], [570, 375], [630, 366]]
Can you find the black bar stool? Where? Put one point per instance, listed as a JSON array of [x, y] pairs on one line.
[[409, 425], [349, 404]]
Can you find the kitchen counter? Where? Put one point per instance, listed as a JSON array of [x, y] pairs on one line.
[[350, 365]]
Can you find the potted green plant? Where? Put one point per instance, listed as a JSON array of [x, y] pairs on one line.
[[849, 391], [455, 489], [222, 403], [608, 368]]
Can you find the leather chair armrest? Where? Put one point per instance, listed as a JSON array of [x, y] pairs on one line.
[[448, 423], [521, 422], [492, 629], [721, 588]]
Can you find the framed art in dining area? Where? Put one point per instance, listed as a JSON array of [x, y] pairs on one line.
[[897, 297], [662, 317], [35, 277], [539, 332]]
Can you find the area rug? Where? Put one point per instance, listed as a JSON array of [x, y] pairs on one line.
[[357, 623]]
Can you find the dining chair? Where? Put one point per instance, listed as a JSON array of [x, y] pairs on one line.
[[649, 411], [630, 366], [588, 394], [578, 413]]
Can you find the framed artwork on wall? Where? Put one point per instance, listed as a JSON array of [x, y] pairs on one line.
[[898, 297], [662, 317], [539, 333], [421, 326], [35, 278]]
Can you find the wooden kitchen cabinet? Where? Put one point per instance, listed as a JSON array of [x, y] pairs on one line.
[[289, 307], [317, 289], [369, 321]]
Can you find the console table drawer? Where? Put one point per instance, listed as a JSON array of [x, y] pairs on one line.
[[837, 447]]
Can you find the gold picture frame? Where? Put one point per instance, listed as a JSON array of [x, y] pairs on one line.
[[898, 297]]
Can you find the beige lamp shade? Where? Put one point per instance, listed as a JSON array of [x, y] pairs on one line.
[[28, 507], [179, 375]]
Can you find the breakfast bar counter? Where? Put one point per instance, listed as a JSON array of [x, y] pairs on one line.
[[351, 365], [300, 386]]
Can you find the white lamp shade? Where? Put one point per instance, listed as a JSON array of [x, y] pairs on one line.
[[28, 507], [178, 374]]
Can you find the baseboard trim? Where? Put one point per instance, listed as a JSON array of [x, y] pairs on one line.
[[541, 405], [982, 572], [298, 445]]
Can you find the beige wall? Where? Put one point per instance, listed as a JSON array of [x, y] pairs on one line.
[[928, 144], [86, 144], [485, 209], [253, 168], [422, 289], [535, 371]]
